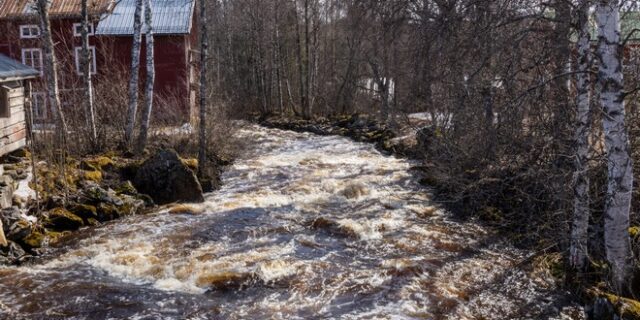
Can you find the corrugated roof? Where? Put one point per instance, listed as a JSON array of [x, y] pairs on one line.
[[59, 8], [169, 17], [10, 68]]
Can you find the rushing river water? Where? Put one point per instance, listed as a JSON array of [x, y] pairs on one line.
[[304, 227]]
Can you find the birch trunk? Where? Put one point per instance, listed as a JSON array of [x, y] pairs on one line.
[[51, 73], [133, 79], [86, 71], [581, 201], [204, 52], [620, 174], [151, 74]]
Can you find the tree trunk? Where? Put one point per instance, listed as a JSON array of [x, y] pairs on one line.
[[299, 62], [151, 74], [133, 78], [86, 70], [620, 174], [51, 74], [581, 201], [276, 54], [307, 61], [204, 51]]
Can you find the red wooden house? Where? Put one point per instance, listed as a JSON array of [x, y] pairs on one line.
[[111, 36]]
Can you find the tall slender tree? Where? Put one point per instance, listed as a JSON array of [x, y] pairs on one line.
[[51, 72], [620, 166], [204, 53], [151, 74], [86, 77], [132, 109], [579, 233]]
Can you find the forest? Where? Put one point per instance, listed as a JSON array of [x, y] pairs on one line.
[[352, 159]]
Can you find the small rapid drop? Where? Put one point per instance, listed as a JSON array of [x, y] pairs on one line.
[[305, 226]]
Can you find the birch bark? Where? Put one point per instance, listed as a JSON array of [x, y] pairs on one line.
[[620, 174], [133, 79], [51, 72], [86, 72], [151, 74], [579, 233]]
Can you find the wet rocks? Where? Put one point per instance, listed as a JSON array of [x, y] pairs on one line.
[[167, 179], [107, 204], [62, 219], [358, 127], [355, 190], [609, 306], [11, 254]]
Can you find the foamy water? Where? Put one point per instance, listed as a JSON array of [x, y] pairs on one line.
[[304, 227]]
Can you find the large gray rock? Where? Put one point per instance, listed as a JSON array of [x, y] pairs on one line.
[[166, 179]]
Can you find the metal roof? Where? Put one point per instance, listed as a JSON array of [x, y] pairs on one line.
[[169, 17], [11, 69]]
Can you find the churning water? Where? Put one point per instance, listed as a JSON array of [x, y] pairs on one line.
[[304, 227]]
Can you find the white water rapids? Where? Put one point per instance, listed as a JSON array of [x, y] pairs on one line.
[[305, 227]]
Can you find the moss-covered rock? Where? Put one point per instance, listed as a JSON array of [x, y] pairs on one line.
[[107, 212], [101, 162], [62, 219], [95, 176], [610, 306], [84, 211], [34, 240], [126, 187], [166, 179], [130, 206]]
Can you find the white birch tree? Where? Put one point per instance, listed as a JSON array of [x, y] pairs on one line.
[[579, 233], [51, 72], [133, 78], [86, 74], [619, 163], [148, 90]]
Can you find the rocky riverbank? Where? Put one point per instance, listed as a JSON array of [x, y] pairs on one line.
[[56, 200], [356, 126]]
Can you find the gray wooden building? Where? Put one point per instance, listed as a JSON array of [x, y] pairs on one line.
[[14, 86]]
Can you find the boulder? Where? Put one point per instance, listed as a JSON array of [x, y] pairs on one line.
[[62, 219], [11, 254], [84, 211], [167, 179], [95, 194]]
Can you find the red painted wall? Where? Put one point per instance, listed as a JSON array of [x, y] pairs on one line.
[[113, 54]]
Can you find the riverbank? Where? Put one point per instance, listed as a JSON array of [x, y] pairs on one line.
[[51, 202]]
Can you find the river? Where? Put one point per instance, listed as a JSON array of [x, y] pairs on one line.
[[304, 227]]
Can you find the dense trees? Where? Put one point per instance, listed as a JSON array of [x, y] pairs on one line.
[[509, 87]]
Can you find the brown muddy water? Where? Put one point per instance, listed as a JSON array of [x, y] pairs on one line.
[[305, 227]]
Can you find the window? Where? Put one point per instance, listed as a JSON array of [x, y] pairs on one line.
[[29, 31], [32, 57], [92, 63], [77, 29], [38, 105]]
